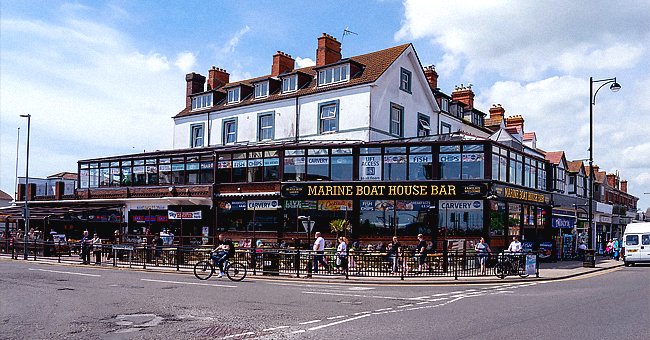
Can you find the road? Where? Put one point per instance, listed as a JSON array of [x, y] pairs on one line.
[[51, 301]]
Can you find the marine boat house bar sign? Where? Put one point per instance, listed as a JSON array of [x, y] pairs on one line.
[[421, 190]]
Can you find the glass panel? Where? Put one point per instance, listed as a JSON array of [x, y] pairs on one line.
[[255, 154], [271, 169], [399, 150], [294, 168], [370, 168], [420, 149], [239, 171], [450, 148], [255, 170], [420, 167], [632, 240], [312, 152], [473, 148], [473, 166], [224, 171], [370, 150], [239, 156], [297, 152], [126, 176], [462, 217], [449, 166], [104, 178], [395, 167], [271, 153], [318, 168], [345, 151], [342, 168]]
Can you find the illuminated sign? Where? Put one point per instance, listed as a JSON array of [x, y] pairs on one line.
[[370, 191]]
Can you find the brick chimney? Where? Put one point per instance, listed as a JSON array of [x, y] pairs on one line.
[[432, 76], [611, 180], [517, 122], [624, 186], [282, 63], [195, 83], [329, 50], [217, 78], [464, 95], [497, 111]]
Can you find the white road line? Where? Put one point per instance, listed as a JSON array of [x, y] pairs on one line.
[[298, 331], [62, 272], [190, 283], [358, 295], [359, 313], [404, 306], [237, 335], [336, 317], [309, 322], [383, 309], [339, 322], [274, 328]]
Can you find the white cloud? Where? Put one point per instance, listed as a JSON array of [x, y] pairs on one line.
[[185, 61], [234, 40], [304, 62]]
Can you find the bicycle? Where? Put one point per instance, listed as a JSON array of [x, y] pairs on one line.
[[510, 264], [235, 271]]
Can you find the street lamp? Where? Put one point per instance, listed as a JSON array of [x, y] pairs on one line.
[[592, 101], [29, 119]]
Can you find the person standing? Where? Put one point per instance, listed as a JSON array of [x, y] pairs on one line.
[[515, 245], [482, 251], [319, 248], [97, 249], [85, 248], [342, 254], [158, 244], [395, 253], [617, 249], [421, 252]]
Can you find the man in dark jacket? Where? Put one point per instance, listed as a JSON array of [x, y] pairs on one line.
[[85, 248]]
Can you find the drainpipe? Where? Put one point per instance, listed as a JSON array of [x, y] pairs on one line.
[[297, 110]]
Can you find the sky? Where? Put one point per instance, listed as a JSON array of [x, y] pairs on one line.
[[102, 78]]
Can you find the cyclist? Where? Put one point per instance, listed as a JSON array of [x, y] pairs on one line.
[[224, 250], [515, 245], [515, 251]]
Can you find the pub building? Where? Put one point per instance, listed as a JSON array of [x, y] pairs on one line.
[[447, 187]]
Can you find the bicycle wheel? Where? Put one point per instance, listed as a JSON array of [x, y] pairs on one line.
[[203, 270], [236, 271], [501, 270], [522, 272]]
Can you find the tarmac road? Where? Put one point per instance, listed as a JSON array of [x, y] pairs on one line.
[[51, 301]]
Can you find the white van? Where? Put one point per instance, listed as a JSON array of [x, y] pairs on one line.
[[637, 243]]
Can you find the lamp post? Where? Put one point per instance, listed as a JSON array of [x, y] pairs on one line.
[[29, 120], [592, 101]]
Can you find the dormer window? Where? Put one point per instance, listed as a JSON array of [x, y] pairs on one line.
[[334, 75], [445, 104], [290, 84], [262, 89], [202, 101], [234, 95]]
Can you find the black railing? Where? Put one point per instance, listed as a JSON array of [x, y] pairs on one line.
[[287, 262]]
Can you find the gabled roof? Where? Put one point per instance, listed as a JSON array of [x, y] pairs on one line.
[[374, 65], [64, 175], [554, 156], [5, 197], [574, 166]]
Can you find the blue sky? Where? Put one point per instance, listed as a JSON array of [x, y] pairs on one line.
[[104, 77]]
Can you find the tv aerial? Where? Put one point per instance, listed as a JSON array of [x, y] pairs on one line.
[[347, 31]]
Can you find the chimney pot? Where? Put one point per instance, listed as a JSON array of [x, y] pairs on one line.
[[328, 51], [217, 77], [194, 84], [464, 95], [282, 63], [432, 76]]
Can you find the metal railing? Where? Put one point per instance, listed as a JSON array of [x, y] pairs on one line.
[[287, 262]]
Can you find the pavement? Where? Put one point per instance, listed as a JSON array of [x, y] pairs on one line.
[[548, 271]]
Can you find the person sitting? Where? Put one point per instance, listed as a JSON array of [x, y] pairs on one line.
[[224, 250]]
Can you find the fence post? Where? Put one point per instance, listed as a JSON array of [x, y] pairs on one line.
[[254, 260], [178, 259], [114, 256], [455, 264], [145, 256], [347, 264], [34, 249], [537, 264], [297, 263]]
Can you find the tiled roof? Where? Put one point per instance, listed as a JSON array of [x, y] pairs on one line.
[[574, 166], [375, 64], [529, 135], [493, 121], [65, 175], [4, 196], [554, 156]]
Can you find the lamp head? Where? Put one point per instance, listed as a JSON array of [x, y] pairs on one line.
[[615, 87]]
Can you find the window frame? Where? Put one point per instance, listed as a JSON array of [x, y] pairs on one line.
[[406, 87], [427, 129], [288, 79], [193, 137], [444, 125], [337, 114], [260, 116], [232, 100], [322, 75], [399, 133], [202, 101], [260, 86], [224, 132]]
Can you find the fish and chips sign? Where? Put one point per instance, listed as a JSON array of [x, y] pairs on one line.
[[368, 191], [184, 215]]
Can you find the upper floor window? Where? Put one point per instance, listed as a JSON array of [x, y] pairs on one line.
[[229, 131], [290, 84], [265, 126], [262, 89], [234, 95], [445, 104], [405, 80], [202, 101], [396, 119], [328, 116], [196, 135], [334, 74], [424, 128], [445, 128]]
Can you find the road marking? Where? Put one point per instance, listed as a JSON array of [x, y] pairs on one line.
[[339, 322], [274, 328], [383, 309], [236, 335], [299, 331], [404, 306], [361, 288], [336, 317], [62, 272], [359, 295], [190, 283], [309, 322]]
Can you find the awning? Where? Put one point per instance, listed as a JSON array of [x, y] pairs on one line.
[[54, 211]]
